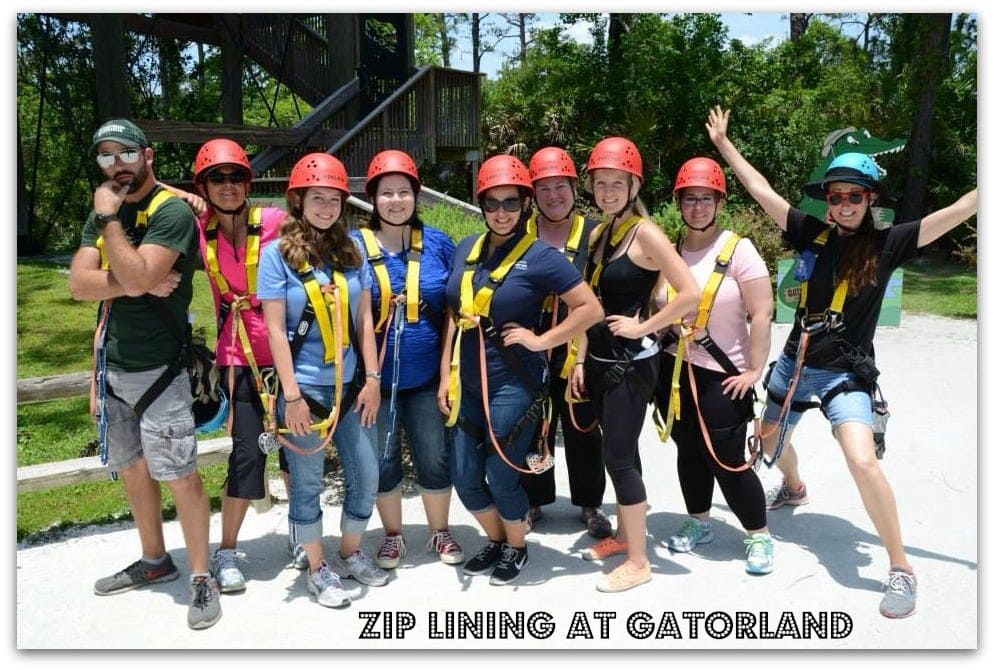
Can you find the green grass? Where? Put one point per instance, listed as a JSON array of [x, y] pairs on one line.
[[940, 288]]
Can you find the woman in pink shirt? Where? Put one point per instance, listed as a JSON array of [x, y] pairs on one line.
[[724, 369], [233, 233]]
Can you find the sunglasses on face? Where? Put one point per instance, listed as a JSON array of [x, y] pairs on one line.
[[127, 157], [507, 204], [703, 200], [236, 177], [854, 197]]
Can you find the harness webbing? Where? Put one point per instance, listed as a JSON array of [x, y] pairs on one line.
[[411, 281], [687, 333], [609, 247], [474, 307], [141, 222]]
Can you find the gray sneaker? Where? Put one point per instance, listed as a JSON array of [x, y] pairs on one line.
[[326, 586], [359, 567], [298, 556], [691, 534], [899, 594], [782, 495], [229, 577], [205, 603], [136, 575]]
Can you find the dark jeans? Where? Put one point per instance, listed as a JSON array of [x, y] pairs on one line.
[[584, 458]]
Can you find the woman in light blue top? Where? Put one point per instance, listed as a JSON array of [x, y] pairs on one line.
[[314, 287]]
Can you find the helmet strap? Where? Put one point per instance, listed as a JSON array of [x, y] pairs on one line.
[[702, 228], [230, 212], [549, 219]]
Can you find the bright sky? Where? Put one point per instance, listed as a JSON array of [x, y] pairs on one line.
[[750, 28]]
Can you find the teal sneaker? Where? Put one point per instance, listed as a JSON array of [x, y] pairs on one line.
[[691, 534], [759, 554]]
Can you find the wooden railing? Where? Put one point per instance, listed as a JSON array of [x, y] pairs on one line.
[[44, 476], [295, 51]]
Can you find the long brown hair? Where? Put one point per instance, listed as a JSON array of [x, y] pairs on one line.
[[302, 243], [859, 265]]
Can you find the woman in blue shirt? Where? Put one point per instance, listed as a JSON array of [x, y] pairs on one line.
[[313, 259], [411, 265], [499, 282]]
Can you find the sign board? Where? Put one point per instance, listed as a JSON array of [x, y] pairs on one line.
[[789, 293]]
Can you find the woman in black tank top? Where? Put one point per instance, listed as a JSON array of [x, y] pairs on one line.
[[629, 258]]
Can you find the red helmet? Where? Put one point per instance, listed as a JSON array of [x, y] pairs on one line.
[[617, 153], [551, 162], [502, 170], [391, 161], [319, 169], [219, 152], [700, 171]]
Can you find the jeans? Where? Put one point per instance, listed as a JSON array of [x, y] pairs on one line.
[[481, 478], [428, 438], [849, 406], [356, 447]]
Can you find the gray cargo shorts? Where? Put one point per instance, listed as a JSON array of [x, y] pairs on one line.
[[164, 435]]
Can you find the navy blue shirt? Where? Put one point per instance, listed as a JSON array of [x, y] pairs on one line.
[[542, 270], [420, 343]]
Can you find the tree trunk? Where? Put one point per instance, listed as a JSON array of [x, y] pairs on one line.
[[799, 25], [110, 65], [618, 25], [443, 30], [522, 41], [475, 32], [927, 69]]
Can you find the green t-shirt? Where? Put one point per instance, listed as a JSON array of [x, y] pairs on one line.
[[137, 338]]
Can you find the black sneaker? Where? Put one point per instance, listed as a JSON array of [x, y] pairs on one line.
[[509, 566], [135, 575], [484, 560]]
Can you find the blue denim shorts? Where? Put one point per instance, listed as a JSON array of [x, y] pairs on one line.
[[429, 440], [814, 383], [164, 435]]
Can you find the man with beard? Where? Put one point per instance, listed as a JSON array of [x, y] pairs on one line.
[[137, 258]]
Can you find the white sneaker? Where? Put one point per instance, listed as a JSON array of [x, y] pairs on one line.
[[325, 584], [229, 577], [359, 567]]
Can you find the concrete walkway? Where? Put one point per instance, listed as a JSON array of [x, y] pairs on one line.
[[823, 593]]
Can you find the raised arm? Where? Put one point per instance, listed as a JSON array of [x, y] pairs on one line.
[[757, 185], [937, 224]]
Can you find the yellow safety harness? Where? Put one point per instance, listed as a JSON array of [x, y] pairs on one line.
[[474, 306], [411, 284], [234, 303], [141, 221], [330, 307], [689, 332]]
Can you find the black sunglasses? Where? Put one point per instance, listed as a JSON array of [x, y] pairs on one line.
[[491, 205], [236, 177], [854, 197]]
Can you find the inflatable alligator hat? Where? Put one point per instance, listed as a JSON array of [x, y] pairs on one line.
[[843, 141]]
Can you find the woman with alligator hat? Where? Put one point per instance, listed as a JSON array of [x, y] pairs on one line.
[[829, 352]]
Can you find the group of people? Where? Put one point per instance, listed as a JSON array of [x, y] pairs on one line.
[[475, 352]]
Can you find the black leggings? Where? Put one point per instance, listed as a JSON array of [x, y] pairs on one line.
[[621, 411], [728, 422]]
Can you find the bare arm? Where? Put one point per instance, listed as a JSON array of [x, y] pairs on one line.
[[652, 249], [88, 282], [937, 224], [757, 294], [196, 203], [757, 185], [442, 396], [297, 415], [584, 311]]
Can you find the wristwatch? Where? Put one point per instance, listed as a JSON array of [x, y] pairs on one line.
[[101, 220], [374, 375]]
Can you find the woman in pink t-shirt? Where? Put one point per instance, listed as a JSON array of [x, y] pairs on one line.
[[233, 233], [723, 372]]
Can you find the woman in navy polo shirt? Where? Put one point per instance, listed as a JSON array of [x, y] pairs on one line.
[[499, 281]]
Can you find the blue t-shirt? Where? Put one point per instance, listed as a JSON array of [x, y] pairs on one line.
[[421, 342], [277, 281], [542, 270]]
